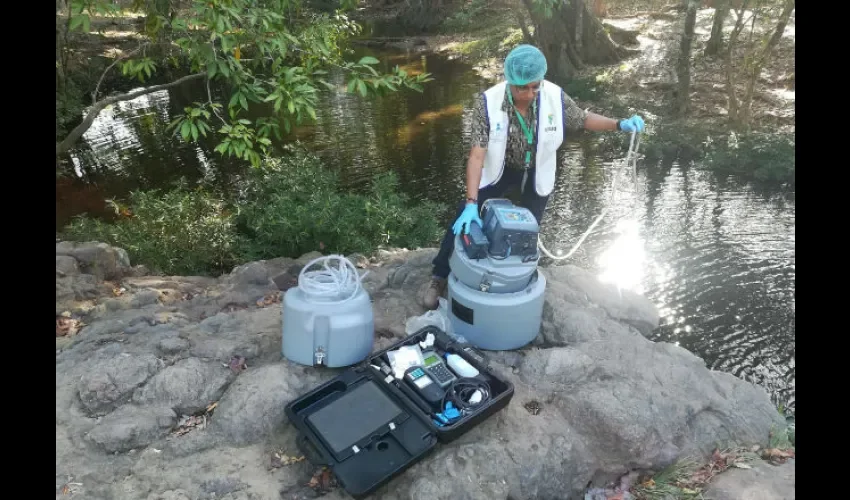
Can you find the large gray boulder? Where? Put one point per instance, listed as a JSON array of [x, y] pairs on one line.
[[594, 398]]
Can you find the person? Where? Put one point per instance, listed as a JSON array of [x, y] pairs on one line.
[[517, 127]]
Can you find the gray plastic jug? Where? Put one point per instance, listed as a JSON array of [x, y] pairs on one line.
[[327, 318]]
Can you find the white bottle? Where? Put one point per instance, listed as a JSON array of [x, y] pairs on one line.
[[460, 366]]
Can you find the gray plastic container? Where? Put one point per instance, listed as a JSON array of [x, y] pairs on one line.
[[492, 275], [322, 332], [496, 321]]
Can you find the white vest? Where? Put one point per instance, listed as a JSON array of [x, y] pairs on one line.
[[549, 135]]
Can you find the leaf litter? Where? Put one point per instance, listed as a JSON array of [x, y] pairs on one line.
[[281, 459], [269, 299], [237, 364], [188, 423], [66, 326], [322, 481]]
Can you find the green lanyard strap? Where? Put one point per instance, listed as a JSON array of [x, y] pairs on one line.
[[529, 134]]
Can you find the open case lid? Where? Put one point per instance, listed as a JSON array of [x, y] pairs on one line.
[[362, 429]]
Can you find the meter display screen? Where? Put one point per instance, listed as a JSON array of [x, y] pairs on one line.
[[432, 359]]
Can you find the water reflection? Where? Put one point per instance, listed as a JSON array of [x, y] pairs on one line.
[[717, 258], [622, 262]]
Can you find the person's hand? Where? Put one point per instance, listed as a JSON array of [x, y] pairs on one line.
[[633, 124], [467, 217]]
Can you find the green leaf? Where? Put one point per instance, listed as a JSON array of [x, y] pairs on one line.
[[361, 86], [86, 24], [185, 130], [291, 106], [75, 22], [243, 101], [312, 112], [368, 60], [194, 132], [224, 68]]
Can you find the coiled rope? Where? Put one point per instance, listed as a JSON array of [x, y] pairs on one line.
[[631, 161], [332, 283]]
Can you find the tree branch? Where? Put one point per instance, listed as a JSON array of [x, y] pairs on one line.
[[80, 129], [102, 76], [209, 96]]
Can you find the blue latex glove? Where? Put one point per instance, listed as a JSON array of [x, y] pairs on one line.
[[469, 214], [633, 124]]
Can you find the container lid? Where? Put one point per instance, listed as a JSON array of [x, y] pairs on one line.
[[360, 429]]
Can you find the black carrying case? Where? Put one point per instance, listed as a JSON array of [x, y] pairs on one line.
[[394, 432]]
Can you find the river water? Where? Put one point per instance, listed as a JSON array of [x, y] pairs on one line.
[[716, 257]]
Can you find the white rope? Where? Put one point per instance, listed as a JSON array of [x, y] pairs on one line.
[[631, 160], [330, 283]]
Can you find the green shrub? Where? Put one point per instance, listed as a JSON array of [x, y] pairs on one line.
[[767, 158], [288, 207], [292, 206], [181, 231]]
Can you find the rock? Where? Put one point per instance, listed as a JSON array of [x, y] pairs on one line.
[[607, 399], [763, 482], [173, 345], [306, 258], [253, 273], [77, 287], [104, 261], [131, 427], [66, 266], [217, 488], [170, 495], [578, 287], [253, 405], [187, 387], [108, 382], [145, 298]]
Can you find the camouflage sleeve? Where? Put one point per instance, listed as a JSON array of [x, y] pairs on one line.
[[480, 132], [574, 116]]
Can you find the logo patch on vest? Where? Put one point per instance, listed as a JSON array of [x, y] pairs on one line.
[[551, 127]]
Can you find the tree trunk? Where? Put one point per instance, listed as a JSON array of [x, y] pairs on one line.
[[715, 41], [683, 66], [759, 61], [600, 8], [571, 38], [523, 25]]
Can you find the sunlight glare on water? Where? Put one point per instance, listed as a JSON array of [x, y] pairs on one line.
[[623, 262]]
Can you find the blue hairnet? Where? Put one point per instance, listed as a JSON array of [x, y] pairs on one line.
[[525, 63]]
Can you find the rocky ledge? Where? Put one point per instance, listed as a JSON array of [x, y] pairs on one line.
[[173, 387]]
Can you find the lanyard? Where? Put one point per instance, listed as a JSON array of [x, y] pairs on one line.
[[529, 134]]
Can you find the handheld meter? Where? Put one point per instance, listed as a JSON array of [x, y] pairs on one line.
[[424, 385], [438, 370]]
